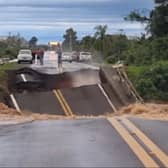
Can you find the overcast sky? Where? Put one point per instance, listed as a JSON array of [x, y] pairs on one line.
[[48, 19]]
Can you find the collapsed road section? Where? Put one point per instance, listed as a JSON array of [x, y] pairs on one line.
[[83, 92]]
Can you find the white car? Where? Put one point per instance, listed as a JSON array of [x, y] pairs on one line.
[[67, 56], [25, 56], [1, 61], [85, 56]]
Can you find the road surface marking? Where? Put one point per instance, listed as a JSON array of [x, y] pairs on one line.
[[65, 103], [61, 103], [109, 101], [15, 103], [152, 146], [23, 77], [143, 156]]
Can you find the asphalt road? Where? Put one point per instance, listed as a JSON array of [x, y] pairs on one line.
[[51, 66], [84, 97], [87, 100], [110, 142], [70, 143], [39, 102], [156, 130]]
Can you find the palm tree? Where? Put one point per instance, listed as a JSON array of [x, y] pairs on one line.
[[100, 34]]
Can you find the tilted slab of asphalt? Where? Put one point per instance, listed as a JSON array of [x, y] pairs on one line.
[[87, 100], [70, 143], [156, 130], [39, 102]]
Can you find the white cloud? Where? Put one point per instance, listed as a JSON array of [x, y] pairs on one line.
[[50, 17]]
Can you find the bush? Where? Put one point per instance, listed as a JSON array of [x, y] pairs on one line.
[[151, 81]]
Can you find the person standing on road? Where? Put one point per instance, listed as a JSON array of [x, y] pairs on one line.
[[59, 53], [41, 56], [33, 56]]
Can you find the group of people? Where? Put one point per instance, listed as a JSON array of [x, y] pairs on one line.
[[59, 53], [39, 55]]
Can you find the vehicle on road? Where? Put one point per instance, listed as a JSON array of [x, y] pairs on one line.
[[75, 56], [1, 61], [25, 56], [85, 56], [4, 60], [67, 56]]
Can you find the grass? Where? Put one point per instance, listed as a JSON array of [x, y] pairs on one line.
[[150, 81], [3, 74], [4, 68], [135, 71]]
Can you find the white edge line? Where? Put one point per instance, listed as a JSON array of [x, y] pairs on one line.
[[23, 77], [15, 102], [109, 101]]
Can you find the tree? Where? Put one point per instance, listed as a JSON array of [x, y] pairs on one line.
[[157, 21], [87, 42], [70, 40], [33, 42], [100, 36]]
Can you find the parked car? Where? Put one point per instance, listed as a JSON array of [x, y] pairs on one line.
[[85, 56], [1, 61], [75, 56], [4, 60], [67, 56], [25, 56]]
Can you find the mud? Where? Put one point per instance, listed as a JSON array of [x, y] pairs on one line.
[[147, 110]]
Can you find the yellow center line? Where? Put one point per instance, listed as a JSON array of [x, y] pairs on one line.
[[143, 156], [65, 103], [61, 103], [147, 141]]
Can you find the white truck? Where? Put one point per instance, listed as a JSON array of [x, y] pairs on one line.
[[85, 56], [25, 56]]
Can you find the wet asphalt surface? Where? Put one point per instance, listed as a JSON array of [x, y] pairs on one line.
[[71, 143], [156, 130], [39, 102], [84, 96], [87, 100]]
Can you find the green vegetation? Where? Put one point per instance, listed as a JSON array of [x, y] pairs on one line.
[[151, 81], [9, 48], [146, 57], [3, 77], [3, 69]]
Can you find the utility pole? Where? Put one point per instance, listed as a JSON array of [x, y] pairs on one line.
[[70, 42], [120, 33]]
